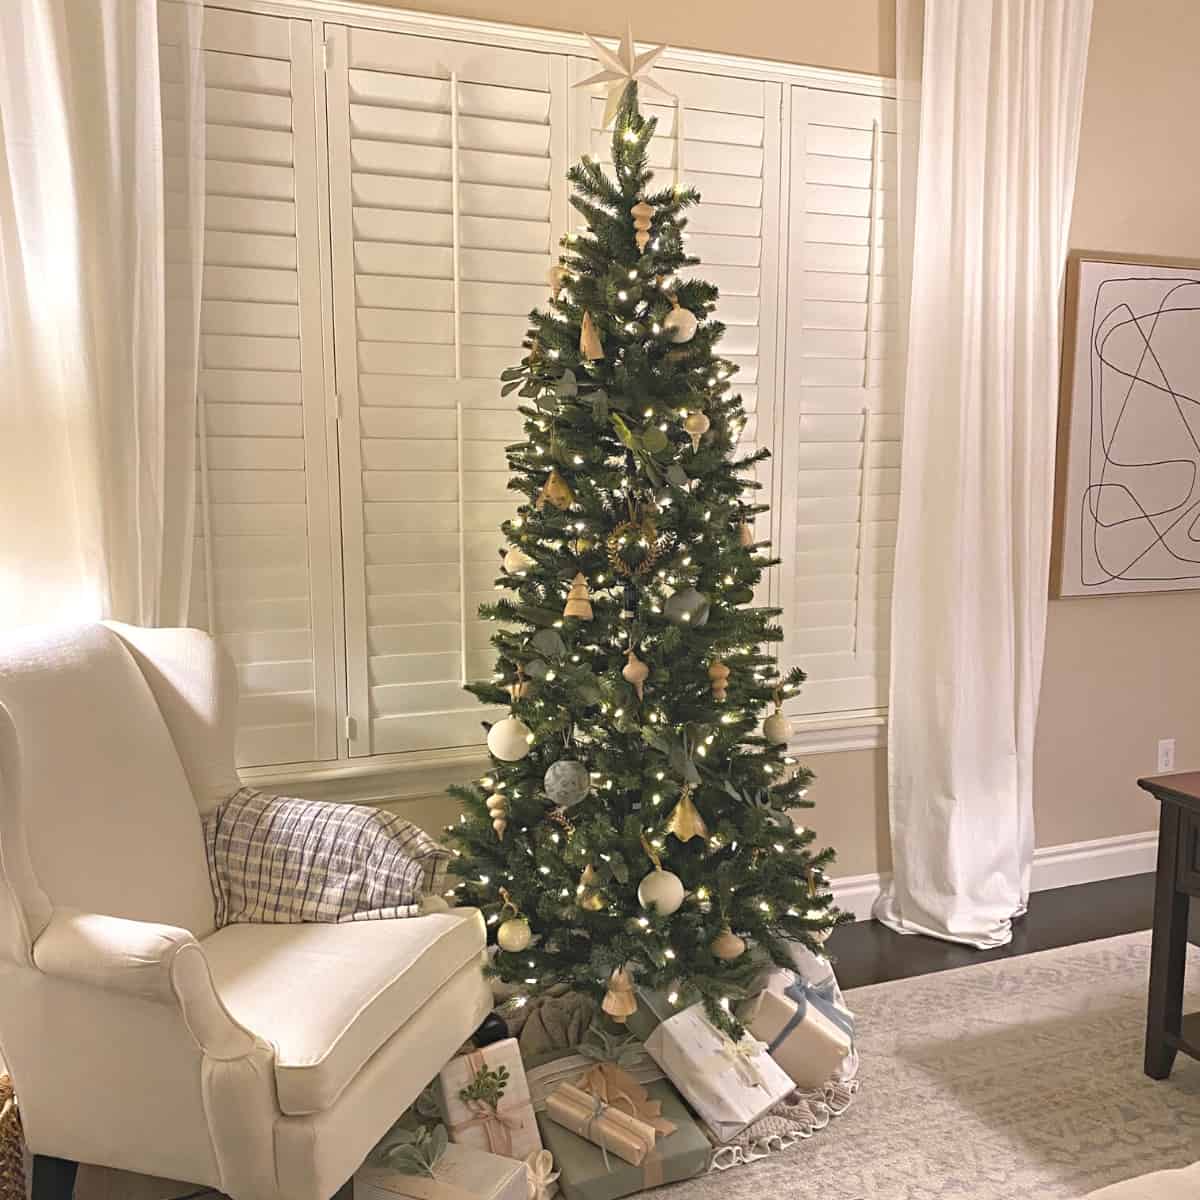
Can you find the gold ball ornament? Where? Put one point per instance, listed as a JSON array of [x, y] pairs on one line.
[[697, 425], [727, 945], [516, 561], [777, 728], [662, 890], [718, 674], [508, 740], [680, 323], [514, 935], [635, 672]]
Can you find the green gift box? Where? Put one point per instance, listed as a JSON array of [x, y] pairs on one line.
[[653, 1009], [586, 1175]]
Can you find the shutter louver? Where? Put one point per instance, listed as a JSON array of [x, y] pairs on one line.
[[842, 416], [446, 203], [262, 578], [730, 154]]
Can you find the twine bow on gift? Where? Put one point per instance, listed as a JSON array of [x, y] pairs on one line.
[[497, 1126], [740, 1056], [616, 1087], [540, 1174], [599, 1108], [803, 994]]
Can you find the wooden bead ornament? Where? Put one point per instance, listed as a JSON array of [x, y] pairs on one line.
[[516, 561], [718, 674], [579, 604], [555, 491], [508, 740], [685, 821], [727, 945], [642, 214], [697, 424], [680, 323], [497, 806], [591, 349], [619, 1001], [635, 672]]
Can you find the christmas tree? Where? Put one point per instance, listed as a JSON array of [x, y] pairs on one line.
[[634, 826]]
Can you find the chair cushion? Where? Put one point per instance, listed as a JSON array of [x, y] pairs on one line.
[[1161, 1185], [328, 996]]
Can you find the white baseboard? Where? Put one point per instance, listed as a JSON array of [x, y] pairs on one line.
[[1053, 867]]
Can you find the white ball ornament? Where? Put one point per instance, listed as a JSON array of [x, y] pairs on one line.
[[516, 561], [566, 782], [508, 740], [777, 728], [661, 889], [514, 935], [681, 324]]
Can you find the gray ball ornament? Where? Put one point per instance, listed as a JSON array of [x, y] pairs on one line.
[[688, 607], [566, 782]]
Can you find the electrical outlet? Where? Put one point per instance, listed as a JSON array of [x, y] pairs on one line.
[[1166, 755]]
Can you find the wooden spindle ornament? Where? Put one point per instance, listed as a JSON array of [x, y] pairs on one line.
[[642, 214], [718, 674], [635, 672], [579, 604]]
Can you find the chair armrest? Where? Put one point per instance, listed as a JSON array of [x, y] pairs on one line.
[[112, 953], [159, 963]]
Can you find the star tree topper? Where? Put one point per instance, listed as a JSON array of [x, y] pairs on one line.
[[621, 69]]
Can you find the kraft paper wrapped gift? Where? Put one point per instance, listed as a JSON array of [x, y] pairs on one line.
[[730, 1084], [585, 1175], [806, 1033], [603, 1124], [462, 1173], [499, 1120]]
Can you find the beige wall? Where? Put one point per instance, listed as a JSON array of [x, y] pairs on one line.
[[1124, 671], [850, 35]]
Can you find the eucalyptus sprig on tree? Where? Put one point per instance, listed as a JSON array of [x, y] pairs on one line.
[[611, 436]]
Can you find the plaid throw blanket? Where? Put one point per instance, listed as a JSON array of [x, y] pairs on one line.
[[277, 860]]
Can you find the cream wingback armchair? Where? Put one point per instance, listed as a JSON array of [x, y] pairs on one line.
[[263, 1061]]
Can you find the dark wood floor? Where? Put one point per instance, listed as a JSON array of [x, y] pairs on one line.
[[868, 952]]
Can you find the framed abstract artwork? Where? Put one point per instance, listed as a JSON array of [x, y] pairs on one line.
[[1127, 498]]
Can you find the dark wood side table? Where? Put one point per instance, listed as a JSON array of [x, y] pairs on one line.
[[1167, 1030]]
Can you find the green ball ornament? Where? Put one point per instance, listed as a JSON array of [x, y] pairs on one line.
[[688, 607], [566, 782]]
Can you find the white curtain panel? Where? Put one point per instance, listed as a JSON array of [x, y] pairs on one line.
[[96, 432], [996, 139]]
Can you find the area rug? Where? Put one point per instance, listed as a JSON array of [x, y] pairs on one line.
[[1019, 1079]]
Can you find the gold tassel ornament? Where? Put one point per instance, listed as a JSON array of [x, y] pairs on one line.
[[685, 821], [590, 346], [579, 604], [619, 1001], [590, 896], [555, 491]]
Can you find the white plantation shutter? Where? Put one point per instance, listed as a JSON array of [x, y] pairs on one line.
[[447, 199], [840, 455], [730, 153], [263, 574]]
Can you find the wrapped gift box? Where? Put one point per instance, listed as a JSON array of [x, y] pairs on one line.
[[807, 1033], [586, 1176], [730, 1084], [506, 1126], [462, 1173], [605, 1125]]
